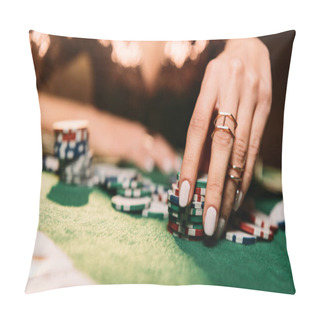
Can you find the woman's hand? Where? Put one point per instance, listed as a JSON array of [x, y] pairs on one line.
[[237, 82]]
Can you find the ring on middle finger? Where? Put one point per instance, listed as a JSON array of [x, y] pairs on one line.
[[224, 127]]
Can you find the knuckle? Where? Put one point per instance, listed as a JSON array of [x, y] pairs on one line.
[[223, 139], [198, 124], [214, 188], [252, 81], [265, 94], [236, 66], [254, 147], [240, 150], [211, 66]]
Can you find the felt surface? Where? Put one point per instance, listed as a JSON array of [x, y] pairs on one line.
[[113, 247]]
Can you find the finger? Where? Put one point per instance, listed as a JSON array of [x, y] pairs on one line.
[[164, 156], [238, 157], [197, 133], [258, 125], [222, 142]]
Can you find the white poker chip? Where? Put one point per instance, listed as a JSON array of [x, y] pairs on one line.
[[130, 204], [157, 209]]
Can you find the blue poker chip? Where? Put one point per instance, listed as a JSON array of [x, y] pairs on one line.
[[240, 237], [69, 150]]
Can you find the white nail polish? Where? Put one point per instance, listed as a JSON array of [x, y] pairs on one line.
[[149, 164], [184, 193], [237, 203], [210, 221], [220, 228], [167, 165]]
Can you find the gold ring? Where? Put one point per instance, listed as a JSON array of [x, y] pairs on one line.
[[239, 169], [226, 115], [225, 128], [234, 178]]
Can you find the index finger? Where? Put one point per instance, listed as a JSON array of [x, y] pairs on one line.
[[196, 136]]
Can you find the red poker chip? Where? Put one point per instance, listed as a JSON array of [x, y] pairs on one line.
[[185, 230], [183, 236], [263, 233]]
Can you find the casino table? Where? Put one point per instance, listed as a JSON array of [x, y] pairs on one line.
[[112, 247]]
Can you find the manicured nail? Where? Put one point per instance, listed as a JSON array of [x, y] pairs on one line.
[[220, 228], [184, 193], [237, 202], [167, 165], [210, 221], [149, 164]]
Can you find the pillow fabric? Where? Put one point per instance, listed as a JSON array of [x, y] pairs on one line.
[[115, 117]]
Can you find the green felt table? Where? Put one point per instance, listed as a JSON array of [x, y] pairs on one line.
[[117, 248]]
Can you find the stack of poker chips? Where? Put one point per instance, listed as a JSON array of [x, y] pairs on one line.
[[71, 148], [186, 222], [133, 194], [247, 226]]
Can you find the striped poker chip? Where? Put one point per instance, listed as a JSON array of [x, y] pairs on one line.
[[187, 210], [162, 197], [185, 223], [184, 230], [201, 181], [250, 228], [50, 163], [239, 236], [197, 191], [157, 210], [185, 216], [134, 193], [260, 219], [183, 236], [125, 184], [67, 150], [72, 135], [196, 196], [175, 200], [277, 215], [130, 204]]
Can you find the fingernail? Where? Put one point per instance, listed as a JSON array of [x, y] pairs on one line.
[[184, 193], [237, 202], [220, 228], [149, 164], [167, 165], [210, 221]]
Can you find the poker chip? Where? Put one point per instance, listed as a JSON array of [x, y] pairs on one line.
[[186, 210], [162, 197], [260, 219], [277, 215], [186, 223], [241, 237], [50, 163], [185, 230], [183, 216], [197, 191], [130, 204], [183, 236], [157, 210], [175, 200], [123, 184], [134, 193], [250, 228], [201, 181]]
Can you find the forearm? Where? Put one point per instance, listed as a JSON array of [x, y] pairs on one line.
[[104, 128]]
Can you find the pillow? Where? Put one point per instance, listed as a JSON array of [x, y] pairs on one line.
[[118, 120]]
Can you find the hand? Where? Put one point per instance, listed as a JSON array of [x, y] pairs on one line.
[[239, 82], [130, 141]]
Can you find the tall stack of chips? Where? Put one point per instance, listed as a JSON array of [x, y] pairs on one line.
[[71, 147], [186, 222]]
